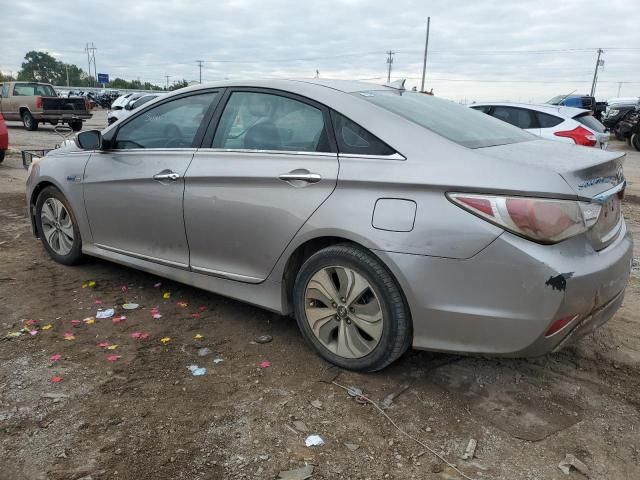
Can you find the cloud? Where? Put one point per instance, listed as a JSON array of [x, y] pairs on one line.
[[471, 44]]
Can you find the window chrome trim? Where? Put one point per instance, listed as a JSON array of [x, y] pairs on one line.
[[140, 256], [229, 276], [394, 156], [270, 152]]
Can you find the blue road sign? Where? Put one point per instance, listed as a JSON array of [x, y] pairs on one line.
[[103, 78]]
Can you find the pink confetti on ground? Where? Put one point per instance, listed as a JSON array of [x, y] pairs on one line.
[[265, 364], [55, 358], [124, 288], [195, 315], [114, 358], [98, 301], [76, 322], [203, 308], [33, 332], [104, 344], [182, 304], [144, 336], [56, 379], [68, 335], [119, 319], [30, 322], [136, 334]]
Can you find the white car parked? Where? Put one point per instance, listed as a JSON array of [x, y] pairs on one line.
[[553, 122], [124, 109]]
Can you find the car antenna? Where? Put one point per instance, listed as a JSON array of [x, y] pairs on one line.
[[397, 84], [570, 93]]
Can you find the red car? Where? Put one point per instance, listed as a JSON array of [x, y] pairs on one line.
[[4, 138]]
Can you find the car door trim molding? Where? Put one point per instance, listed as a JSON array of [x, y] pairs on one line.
[[229, 276], [140, 256], [270, 152], [393, 156]]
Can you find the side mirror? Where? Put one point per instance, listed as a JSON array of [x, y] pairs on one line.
[[89, 140]]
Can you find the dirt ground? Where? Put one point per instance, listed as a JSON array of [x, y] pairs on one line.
[[145, 415]]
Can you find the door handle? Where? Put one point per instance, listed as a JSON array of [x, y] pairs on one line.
[[305, 177], [167, 175]]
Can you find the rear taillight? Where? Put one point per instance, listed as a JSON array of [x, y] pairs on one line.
[[560, 324], [580, 135], [540, 219], [38, 102], [86, 104]]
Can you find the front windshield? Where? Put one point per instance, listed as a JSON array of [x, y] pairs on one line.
[[457, 123], [33, 89], [556, 100]]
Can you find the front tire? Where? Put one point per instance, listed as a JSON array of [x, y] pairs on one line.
[[58, 227], [29, 122], [351, 310], [635, 141]]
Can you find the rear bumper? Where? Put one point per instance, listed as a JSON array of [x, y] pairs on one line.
[[503, 300], [64, 117]]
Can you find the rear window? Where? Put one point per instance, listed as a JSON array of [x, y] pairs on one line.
[[462, 125], [590, 121], [547, 121], [33, 89]]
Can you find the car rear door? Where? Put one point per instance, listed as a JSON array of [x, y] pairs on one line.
[[520, 117], [133, 191], [267, 166]]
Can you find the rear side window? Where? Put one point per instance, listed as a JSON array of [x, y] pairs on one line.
[[455, 122], [519, 117], [590, 121], [547, 121], [482, 108], [354, 139]]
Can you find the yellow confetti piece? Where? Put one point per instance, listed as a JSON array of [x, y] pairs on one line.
[[89, 321], [198, 336], [70, 337], [85, 285], [165, 340], [92, 284], [166, 295], [48, 326], [112, 347], [14, 334]]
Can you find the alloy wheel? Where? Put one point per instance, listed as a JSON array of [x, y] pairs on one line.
[[57, 226], [343, 312]]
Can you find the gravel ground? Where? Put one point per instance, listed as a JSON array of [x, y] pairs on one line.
[[145, 415]]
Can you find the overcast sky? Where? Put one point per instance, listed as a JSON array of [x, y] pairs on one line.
[[478, 50]]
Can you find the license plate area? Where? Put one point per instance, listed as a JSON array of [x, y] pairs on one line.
[[609, 222]]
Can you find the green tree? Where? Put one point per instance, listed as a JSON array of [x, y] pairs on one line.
[[181, 84], [41, 67]]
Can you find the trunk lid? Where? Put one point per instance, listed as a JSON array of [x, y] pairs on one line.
[[595, 175]]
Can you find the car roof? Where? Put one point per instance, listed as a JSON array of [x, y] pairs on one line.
[[566, 112], [346, 86]]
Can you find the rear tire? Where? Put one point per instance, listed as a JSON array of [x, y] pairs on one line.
[[58, 227], [1, 156], [358, 331], [635, 141], [76, 126], [29, 122]]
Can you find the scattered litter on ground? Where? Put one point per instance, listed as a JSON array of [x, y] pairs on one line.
[[157, 285], [113, 358], [313, 441], [218, 360], [76, 323], [97, 301], [470, 450], [352, 446], [352, 390], [165, 340], [571, 461], [166, 295], [118, 319], [56, 379], [89, 284], [388, 400], [136, 335], [302, 473], [48, 326], [112, 347], [317, 404], [108, 313], [300, 426], [104, 344], [204, 351], [124, 288], [197, 371], [182, 304], [202, 308], [89, 320], [69, 336], [198, 336], [130, 306], [55, 358], [195, 315], [264, 339], [264, 364]]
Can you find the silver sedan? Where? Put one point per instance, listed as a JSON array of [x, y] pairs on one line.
[[379, 218]]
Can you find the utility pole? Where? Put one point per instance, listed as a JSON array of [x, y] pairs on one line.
[[389, 62], [200, 62], [91, 58], [167, 77], [67, 74], [599, 63], [619, 87], [426, 47]]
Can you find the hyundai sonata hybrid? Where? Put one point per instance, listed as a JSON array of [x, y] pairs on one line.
[[378, 217]]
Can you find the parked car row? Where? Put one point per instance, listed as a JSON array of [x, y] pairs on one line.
[[379, 218], [125, 104]]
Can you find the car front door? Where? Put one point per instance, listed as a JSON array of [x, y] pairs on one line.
[[133, 191], [269, 166]]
